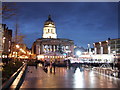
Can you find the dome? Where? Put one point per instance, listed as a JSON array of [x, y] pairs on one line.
[[49, 21]]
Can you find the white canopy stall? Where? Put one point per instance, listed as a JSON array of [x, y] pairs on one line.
[[51, 56]]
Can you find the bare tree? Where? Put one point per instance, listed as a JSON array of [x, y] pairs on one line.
[[19, 39], [8, 10]]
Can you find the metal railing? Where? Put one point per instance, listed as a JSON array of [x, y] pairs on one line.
[[107, 71], [16, 76]]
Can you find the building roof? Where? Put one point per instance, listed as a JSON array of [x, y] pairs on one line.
[[62, 39], [108, 40], [49, 21], [54, 40]]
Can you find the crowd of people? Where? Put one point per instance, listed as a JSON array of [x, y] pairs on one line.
[[51, 65]]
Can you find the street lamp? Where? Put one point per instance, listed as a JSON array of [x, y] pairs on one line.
[[78, 53], [17, 46]]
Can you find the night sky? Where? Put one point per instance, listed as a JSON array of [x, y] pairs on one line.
[[83, 22]]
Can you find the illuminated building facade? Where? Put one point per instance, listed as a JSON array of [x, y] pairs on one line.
[[104, 52], [109, 46], [1, 40], [50, 43], [49, 30], [7, 39], [107, 51]]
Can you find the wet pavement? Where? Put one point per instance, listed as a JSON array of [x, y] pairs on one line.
[[67, 78]]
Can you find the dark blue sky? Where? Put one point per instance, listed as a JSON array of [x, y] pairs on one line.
[[84, 23]]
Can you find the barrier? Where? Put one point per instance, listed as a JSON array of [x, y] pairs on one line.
[[107, 71], [12, 78], [8, 83], [19, 79]]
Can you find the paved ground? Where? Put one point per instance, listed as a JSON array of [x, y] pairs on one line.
[[67, 78]]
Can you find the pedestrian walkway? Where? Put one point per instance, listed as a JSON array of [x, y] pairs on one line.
[[67, 78], [33, 76], [37, 78]]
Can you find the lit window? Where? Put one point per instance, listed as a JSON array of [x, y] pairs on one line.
[[51, 31]]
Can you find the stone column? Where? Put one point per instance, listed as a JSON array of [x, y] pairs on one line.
[[101, 49], [47, 48], [50, 48], [43, 48], [39, 50], [108, 49], [57, 47], [64, 47], [54, 48]]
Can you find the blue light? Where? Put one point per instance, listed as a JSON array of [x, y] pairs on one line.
[[64, 54]]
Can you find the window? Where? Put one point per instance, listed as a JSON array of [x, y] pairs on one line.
[[51, 30]]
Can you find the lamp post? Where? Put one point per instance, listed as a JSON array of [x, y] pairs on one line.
[[17, 46], [78, 53], [89, 51], [114, 54]]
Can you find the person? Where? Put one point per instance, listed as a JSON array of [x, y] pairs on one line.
[[118, 66], [45, 63], [45, 66], [51, 67], [45, 69], [67, 64], [54, 66], [36, 65]]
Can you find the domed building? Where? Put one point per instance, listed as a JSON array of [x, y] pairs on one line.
[[50, 43], [49, 30]]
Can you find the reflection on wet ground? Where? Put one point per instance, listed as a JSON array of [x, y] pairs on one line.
[[67, 78]]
